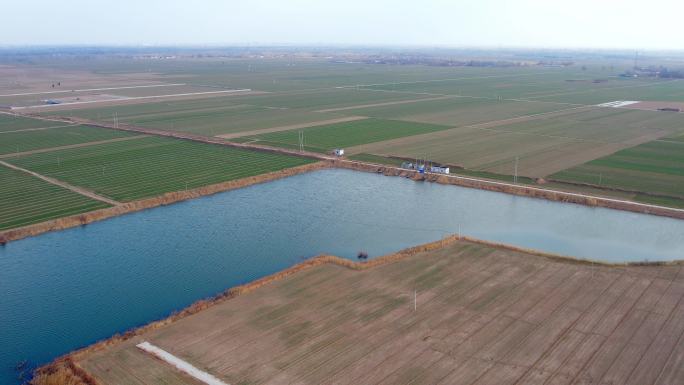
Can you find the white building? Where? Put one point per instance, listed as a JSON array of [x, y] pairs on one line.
[[439, 170]]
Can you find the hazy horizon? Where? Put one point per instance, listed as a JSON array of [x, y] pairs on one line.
[[584, 24]]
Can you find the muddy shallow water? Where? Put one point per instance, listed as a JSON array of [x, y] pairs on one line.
[[66, 289]]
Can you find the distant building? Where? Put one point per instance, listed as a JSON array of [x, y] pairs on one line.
[[339, 152], [439, 170], [421, 168]]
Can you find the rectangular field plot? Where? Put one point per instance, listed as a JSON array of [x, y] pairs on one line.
[[23, 141], [479, 312], [524, 84], [328, 99], [25, 200], [213, 116], [632, 89], [457, 111], [543, 144], [80, 98], [341, 135], [654, 167], [150, 166], [11, 123]]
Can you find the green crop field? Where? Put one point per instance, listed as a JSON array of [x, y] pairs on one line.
[[211, 116], [631, 89], [654, 167], [330, 98], [540, 83], [457, 111], [146, 167], [341, 135], [543, 144], [13, 142], [25, 200], [10, 123]]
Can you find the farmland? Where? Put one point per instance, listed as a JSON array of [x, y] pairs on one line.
[[12, 123], [327, 137], [544, 144], [146, 167], [482, 316], [214, 116], [550, 86], [23, 141], [25, 200], [458, 111], [655, 167], [480, 118]]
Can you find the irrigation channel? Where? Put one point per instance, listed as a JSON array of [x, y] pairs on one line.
[[66, 289]]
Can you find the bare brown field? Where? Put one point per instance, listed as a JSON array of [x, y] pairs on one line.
[[31, 79], [483, 316]]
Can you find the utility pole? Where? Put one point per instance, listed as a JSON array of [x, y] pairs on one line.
[[515, 177], [301, 141]]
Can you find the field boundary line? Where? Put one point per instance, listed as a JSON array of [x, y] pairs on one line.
[[179, 364], [126, 99], [68, 146], [489, 125], [96, 89], [603, 89], [78, 190], [381, 104], [475, 97], [291, 127], [39, 128], [445, 80]]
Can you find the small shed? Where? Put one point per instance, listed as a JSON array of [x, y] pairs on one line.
[[439, 170], [339, 152]]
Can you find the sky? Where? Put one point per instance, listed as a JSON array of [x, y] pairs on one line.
[[623, 24]]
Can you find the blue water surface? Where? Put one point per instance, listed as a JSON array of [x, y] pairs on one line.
[[66, 289]]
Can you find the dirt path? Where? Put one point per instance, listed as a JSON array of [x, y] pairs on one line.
[[95, 89], [291, 127], [49, 149], [38, 129], [65, 185], [386, 103], [179, 364], [135, 98]]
